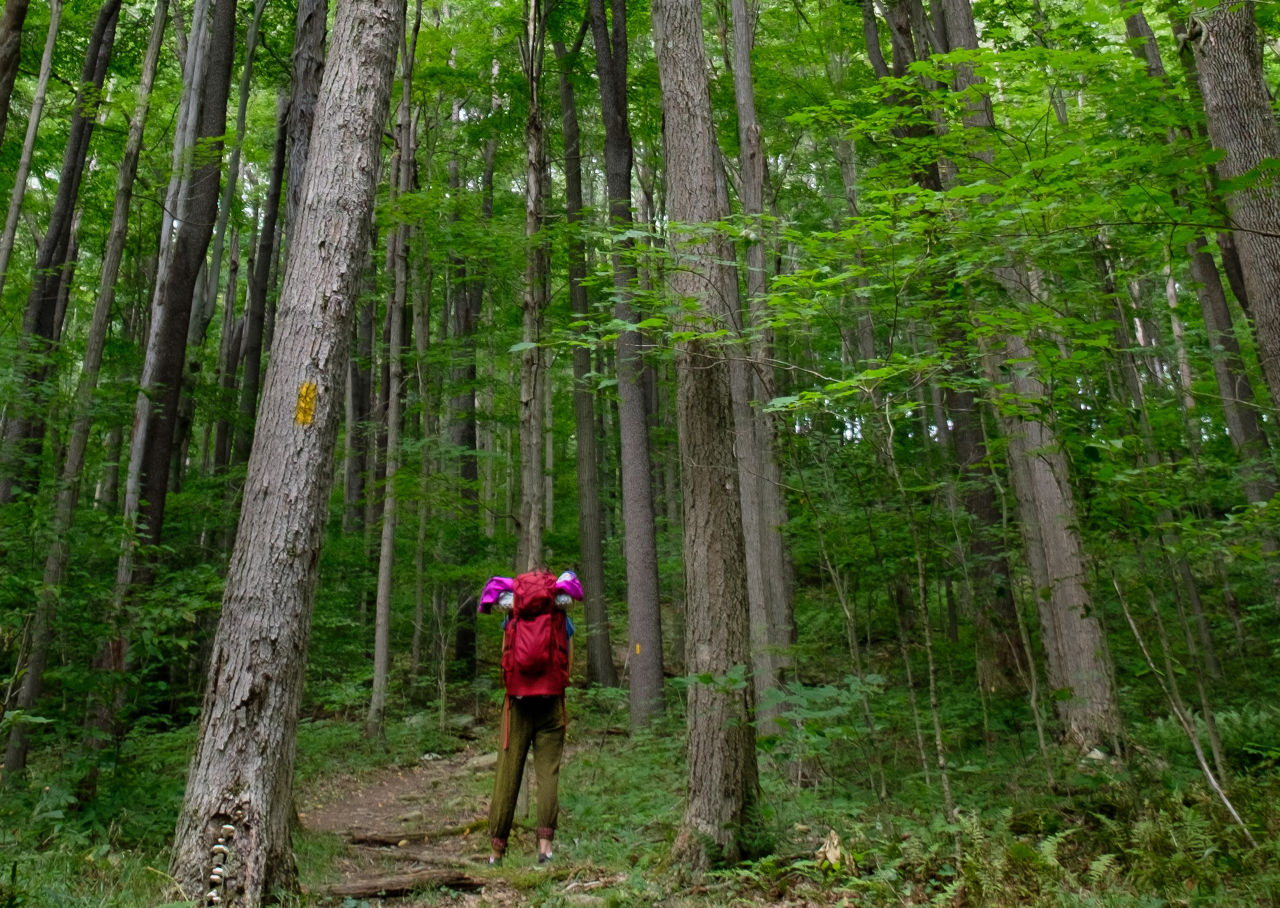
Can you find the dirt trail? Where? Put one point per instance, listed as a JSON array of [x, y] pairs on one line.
[[428, 817]]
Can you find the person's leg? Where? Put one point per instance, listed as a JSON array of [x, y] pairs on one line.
[[517, 734], [548, 748]]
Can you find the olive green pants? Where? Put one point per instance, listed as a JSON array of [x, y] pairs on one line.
[[536, 722]]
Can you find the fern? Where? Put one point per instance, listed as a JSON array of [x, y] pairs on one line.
[[1102, 870]]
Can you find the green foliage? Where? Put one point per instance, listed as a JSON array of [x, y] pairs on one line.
[[821, 726], [1102, 838], [885, 297]]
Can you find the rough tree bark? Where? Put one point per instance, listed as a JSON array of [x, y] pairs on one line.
[[242, 770], [722, 772], [1243, 126]]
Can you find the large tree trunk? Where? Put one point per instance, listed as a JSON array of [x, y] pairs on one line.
[[640, 543], [760, 478], [41, 325], [1079, 666], [600, 667], [535, 377], [722, 773], [242, 770], [15, 13], [40, 634], [1242, 125], [150, 446], [152, 443]]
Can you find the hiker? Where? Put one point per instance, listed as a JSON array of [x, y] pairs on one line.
[[537, 654]]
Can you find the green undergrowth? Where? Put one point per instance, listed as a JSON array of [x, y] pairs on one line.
[[1029, 828]]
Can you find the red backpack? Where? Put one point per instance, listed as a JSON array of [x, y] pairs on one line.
[[535, 652]]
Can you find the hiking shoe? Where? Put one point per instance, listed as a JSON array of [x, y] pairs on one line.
[[495, 860], [544, 858]]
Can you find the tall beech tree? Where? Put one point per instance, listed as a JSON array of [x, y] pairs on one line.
[[722, 772], [759, 475], [1077, 657], [1079, 664], [156, 412], [242, 770], [535, 377], [600, 667], [635, 464]]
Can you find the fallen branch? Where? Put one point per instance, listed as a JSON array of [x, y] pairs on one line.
[[414, 854], [394, 839], [401, 884]]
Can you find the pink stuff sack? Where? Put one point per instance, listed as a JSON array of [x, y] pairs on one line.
[[493, 590], [568, 584]]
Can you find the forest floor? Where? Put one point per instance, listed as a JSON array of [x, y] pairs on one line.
[[407, 830]]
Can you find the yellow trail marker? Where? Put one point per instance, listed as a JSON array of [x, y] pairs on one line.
[[306, 412]]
